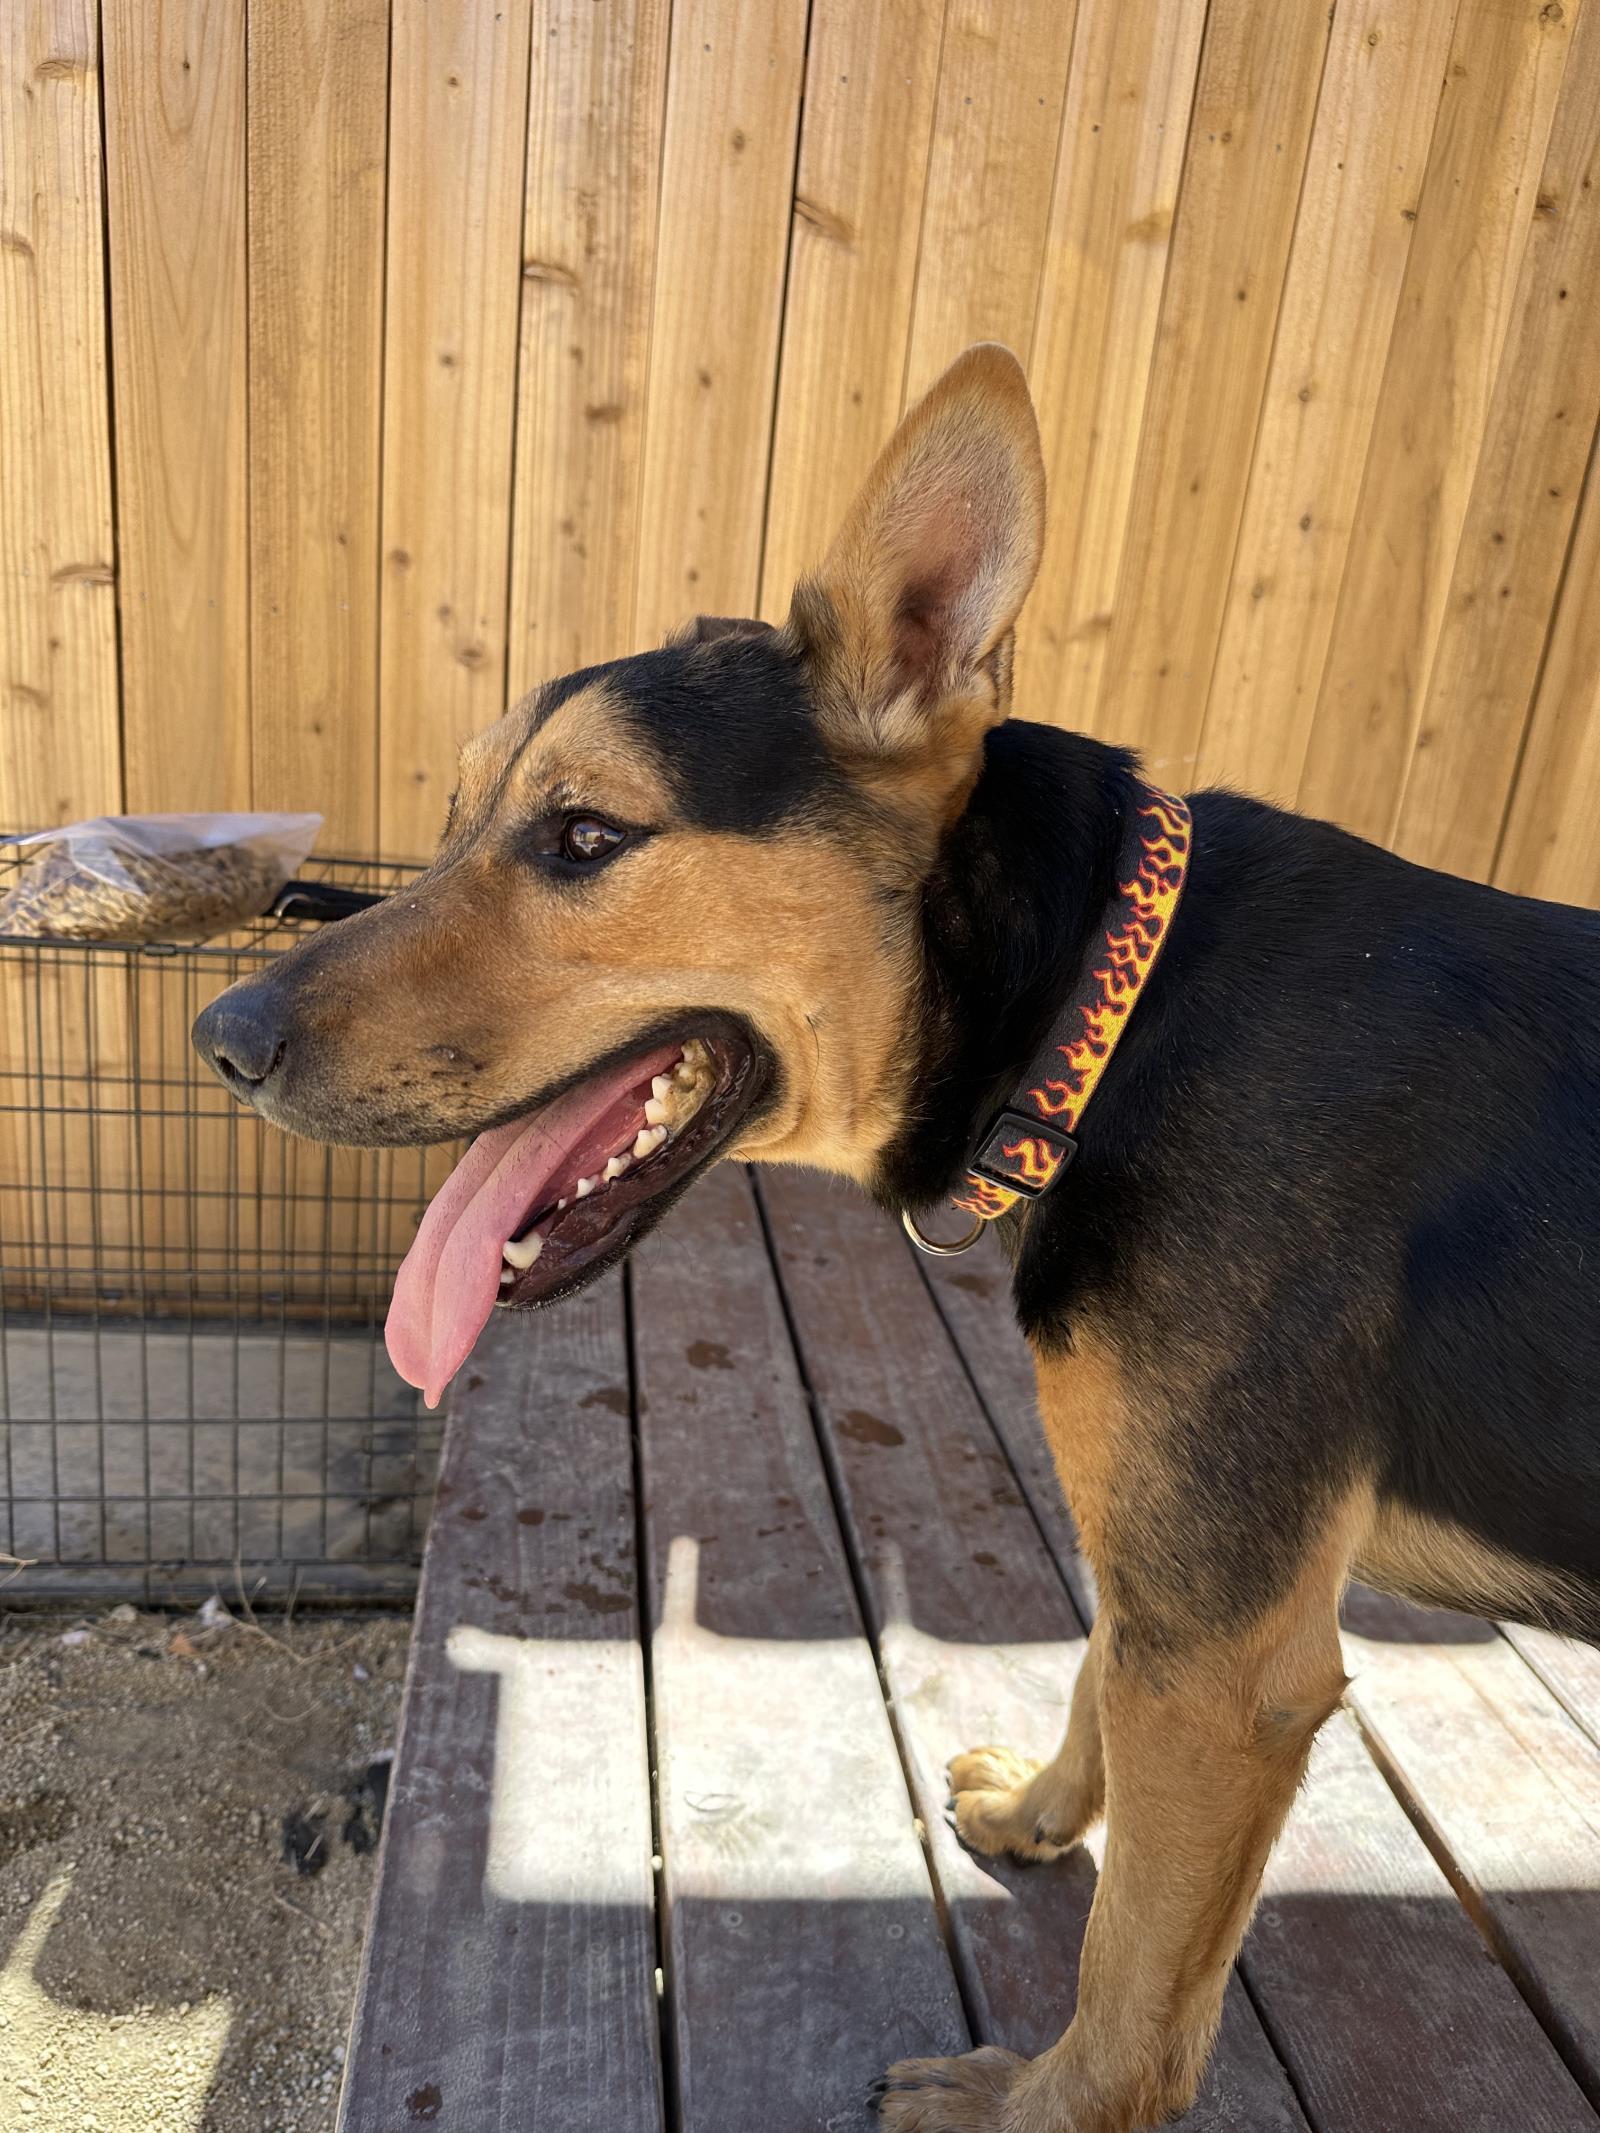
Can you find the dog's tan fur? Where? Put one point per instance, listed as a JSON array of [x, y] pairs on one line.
[[490, 981], [1438, 1564], [1006, 1804], [906, 633], [784, 932], [804, 937], [907, 709], [1182, 1864]]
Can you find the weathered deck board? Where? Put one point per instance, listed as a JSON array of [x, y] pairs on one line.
[[509, 1970], [1353, 1895], [1445, 1700], [1571, 1671], [977, 1636], [973, 1298], [897, 1457], [1394, 2016], [801, 1928]]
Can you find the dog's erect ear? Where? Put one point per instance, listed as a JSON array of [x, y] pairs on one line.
[[907, 625]]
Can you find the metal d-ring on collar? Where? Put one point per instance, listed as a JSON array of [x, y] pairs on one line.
[[936, 1250]]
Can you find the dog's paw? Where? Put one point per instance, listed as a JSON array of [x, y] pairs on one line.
[[966, 2095], [992, 1808]]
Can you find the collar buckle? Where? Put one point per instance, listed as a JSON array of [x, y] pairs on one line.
[[1023, 1154]]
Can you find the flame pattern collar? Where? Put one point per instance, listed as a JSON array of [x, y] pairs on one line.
[[1026, 1148]]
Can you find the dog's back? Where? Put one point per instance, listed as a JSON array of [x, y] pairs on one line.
[[1370, 1100]]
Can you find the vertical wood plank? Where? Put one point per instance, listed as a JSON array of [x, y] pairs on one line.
[[1552, 840], [869, 89], [175, 177], [174, 86], [1122, 137], [1259, 75], [1568, 1669], [60, 739], [1381, 1995], [1505, 69], [595, 116], [726, 186], [795, 1893], [997, 124], [1369, 147], [1444, 1700], [457, 136], [972, 1296], [315, 170], [508, 1974], [318, 103], [60, 752], [1518, 526]]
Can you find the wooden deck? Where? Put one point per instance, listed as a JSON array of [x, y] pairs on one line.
[[701, 1878]]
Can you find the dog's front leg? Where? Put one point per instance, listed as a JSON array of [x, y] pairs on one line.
[[1203, 1750], [1005, 1804]]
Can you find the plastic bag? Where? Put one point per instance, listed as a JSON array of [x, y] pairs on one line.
[[154, 877]]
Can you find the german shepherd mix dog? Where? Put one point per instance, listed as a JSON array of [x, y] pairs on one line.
[[1317, 1297]]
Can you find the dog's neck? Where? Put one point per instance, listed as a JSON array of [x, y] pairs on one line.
[[1009, 914]]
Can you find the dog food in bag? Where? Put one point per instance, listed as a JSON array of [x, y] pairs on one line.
[[154, 877]]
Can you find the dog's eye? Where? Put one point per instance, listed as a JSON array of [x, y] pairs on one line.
[[586, 837]]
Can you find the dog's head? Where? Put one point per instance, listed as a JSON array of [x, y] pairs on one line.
[[675, 910]]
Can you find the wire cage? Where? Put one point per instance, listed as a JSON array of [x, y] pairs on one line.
[[194, 1392]]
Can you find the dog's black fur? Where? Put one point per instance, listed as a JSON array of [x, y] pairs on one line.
[[1318, 1294], [729, 719], [1345, 1161]]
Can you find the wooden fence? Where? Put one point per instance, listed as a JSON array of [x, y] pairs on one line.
[[364, 361]]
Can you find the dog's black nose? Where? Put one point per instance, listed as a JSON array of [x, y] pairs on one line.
[[241, 1038]]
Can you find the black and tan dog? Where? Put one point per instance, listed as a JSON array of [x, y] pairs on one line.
[[1318, 1296]]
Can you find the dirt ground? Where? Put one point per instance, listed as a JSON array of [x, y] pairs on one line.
[[188, 1817]]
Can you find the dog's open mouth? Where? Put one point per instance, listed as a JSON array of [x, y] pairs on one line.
[[537, 1205]]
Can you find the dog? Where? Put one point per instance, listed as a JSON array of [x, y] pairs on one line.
[[1317, 1296]]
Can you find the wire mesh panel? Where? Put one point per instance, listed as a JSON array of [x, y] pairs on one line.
[[193, 1385]]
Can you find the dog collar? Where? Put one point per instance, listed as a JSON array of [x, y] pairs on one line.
[[1027, 1146]]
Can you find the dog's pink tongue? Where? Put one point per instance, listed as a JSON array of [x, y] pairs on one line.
[[449, 1279]]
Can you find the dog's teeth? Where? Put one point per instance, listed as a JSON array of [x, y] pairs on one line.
[[684, 1075], [559, 1205], [508, 1274], [521, 1252], [585, 1187], [661, 1084], [616, 1166], [656, 1112], [648, 1140]]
